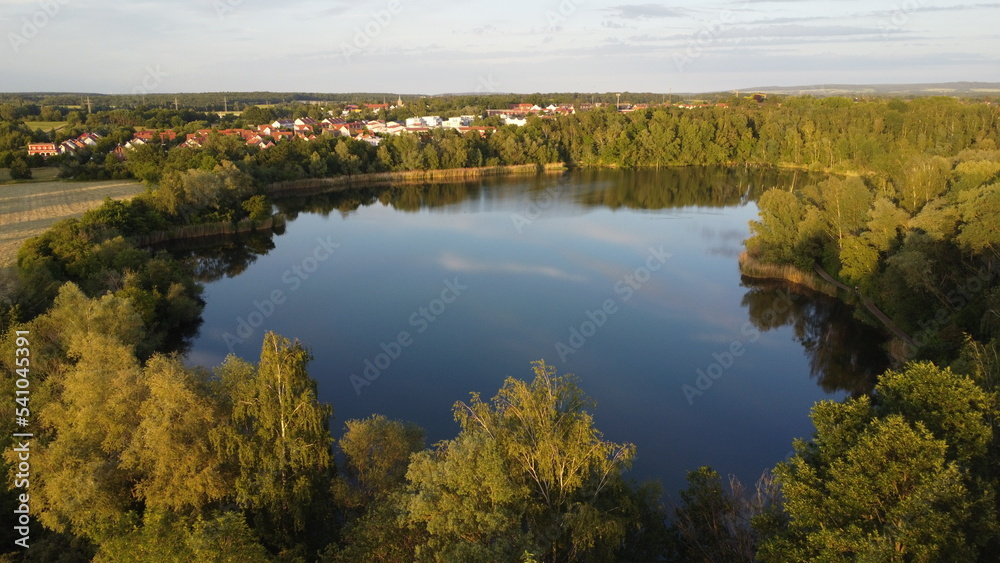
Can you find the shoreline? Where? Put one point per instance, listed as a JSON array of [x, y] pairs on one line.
[[900, 345], [315, 186], [209, 230], [312, 186]]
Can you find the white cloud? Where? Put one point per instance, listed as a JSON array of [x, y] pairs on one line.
[[454, 263]]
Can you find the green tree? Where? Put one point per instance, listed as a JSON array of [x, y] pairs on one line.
[[713, 524], [282, 441], [377, 453], [980, 214], [82, 486], [858, 258], [775, 235], [19, 170], [844, 205], [898, 479], [532, 456], [165, 536], [172, 446]]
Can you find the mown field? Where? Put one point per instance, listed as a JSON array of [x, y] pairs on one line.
[[46, 125], [28, 208]]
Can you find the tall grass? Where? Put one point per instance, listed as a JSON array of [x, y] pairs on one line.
[[202, 230], [752, 267], [319, 185]]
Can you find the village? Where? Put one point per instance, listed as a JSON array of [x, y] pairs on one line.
[[340, 124]]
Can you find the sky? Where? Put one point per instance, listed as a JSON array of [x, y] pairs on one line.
[[522, 46]]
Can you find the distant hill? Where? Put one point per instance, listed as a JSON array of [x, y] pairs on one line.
[[928, 89]]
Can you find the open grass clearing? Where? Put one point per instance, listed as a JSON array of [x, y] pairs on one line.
[[46, 125]]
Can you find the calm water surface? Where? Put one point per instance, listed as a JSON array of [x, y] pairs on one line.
[[627, 279]]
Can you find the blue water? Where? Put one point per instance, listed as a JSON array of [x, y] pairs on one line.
[[443, 299]]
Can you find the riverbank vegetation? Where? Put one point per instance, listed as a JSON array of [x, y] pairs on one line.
[[137, 456]]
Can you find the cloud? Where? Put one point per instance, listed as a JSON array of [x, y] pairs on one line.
[[454, 263], [645, 11]]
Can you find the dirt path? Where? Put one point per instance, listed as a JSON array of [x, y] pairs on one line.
[[28, 209]]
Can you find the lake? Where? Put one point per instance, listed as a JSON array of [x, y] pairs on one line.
[[412, 297]]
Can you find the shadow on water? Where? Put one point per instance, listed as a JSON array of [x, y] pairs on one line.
[[214, 258], [845, 354]]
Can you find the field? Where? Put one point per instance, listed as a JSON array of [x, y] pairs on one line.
[[46, 125], [27, 209]]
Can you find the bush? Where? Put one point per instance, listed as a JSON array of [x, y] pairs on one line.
[[19, 170]]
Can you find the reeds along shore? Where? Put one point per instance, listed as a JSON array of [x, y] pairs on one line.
[[319, 185], [753, 268], [210, 230]]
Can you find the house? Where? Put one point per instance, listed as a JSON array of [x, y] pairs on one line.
[[303, 128], [340, 131], [89, 139], [370, 139], [305, 121], [332, 122], [283, 124], [377, 107], [71, 145], [460, 121], [44, 149]]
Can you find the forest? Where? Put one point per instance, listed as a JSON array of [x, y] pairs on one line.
[[139, 457]]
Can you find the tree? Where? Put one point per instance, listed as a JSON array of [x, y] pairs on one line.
[[844, 205], [858, 258], [980, 214], [885, 223], [19, 170], [281, 441], [82, 486], [897, 479], [532, 455], [377, 453], [165, 536], [775, 236], [172, 447], [255, 115], [714, 524]]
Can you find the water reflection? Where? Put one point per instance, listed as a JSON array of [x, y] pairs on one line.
[[844, 354], [213, 258], [702, 186]]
